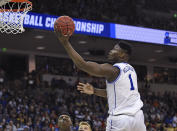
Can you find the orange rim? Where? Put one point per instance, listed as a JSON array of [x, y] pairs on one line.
[[18, 1], [27, 1]]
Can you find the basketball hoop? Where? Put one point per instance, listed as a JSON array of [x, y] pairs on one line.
[[12, 14]]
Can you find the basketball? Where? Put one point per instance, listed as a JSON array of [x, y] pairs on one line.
[[65, 24]]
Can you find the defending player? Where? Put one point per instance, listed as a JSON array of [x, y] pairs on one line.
[[64, 123], [124, 101]]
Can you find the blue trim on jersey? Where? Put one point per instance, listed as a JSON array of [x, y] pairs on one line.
[[111, 124], [117, 76], [115, 93]]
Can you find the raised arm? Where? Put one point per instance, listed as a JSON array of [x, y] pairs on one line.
[[90, 90], [93, 68]]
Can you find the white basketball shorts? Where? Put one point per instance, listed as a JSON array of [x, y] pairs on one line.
[[126, 122]]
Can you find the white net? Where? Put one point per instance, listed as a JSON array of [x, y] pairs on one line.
[[3, 2], [12, 15]]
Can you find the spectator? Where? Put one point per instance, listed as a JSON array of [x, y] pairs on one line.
[[23, 108]]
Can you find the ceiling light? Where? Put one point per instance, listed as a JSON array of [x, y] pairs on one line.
[[158, 51], [82, 42], [39, 37], [86, 53], [40, 48], [152, 60]]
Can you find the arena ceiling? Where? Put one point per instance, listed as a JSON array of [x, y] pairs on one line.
[[28, 42]]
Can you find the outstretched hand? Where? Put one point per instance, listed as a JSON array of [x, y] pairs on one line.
[[85, 88], [62, 38]]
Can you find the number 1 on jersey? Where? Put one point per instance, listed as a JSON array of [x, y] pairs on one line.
[[131, 82]]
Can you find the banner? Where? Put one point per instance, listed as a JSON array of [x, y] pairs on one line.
[[147, 35], [87, 27], [101, 29]]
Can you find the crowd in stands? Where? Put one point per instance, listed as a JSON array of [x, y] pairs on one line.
[[26, 105], [131, 12], [160, 111], [63, 66], [58, 66], [30, 104], [165, 75]]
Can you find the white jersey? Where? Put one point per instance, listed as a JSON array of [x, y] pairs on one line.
[[123, 95]]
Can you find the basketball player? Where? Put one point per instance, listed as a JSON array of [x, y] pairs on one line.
[[64, 123], [124, 101], [84, 126]]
